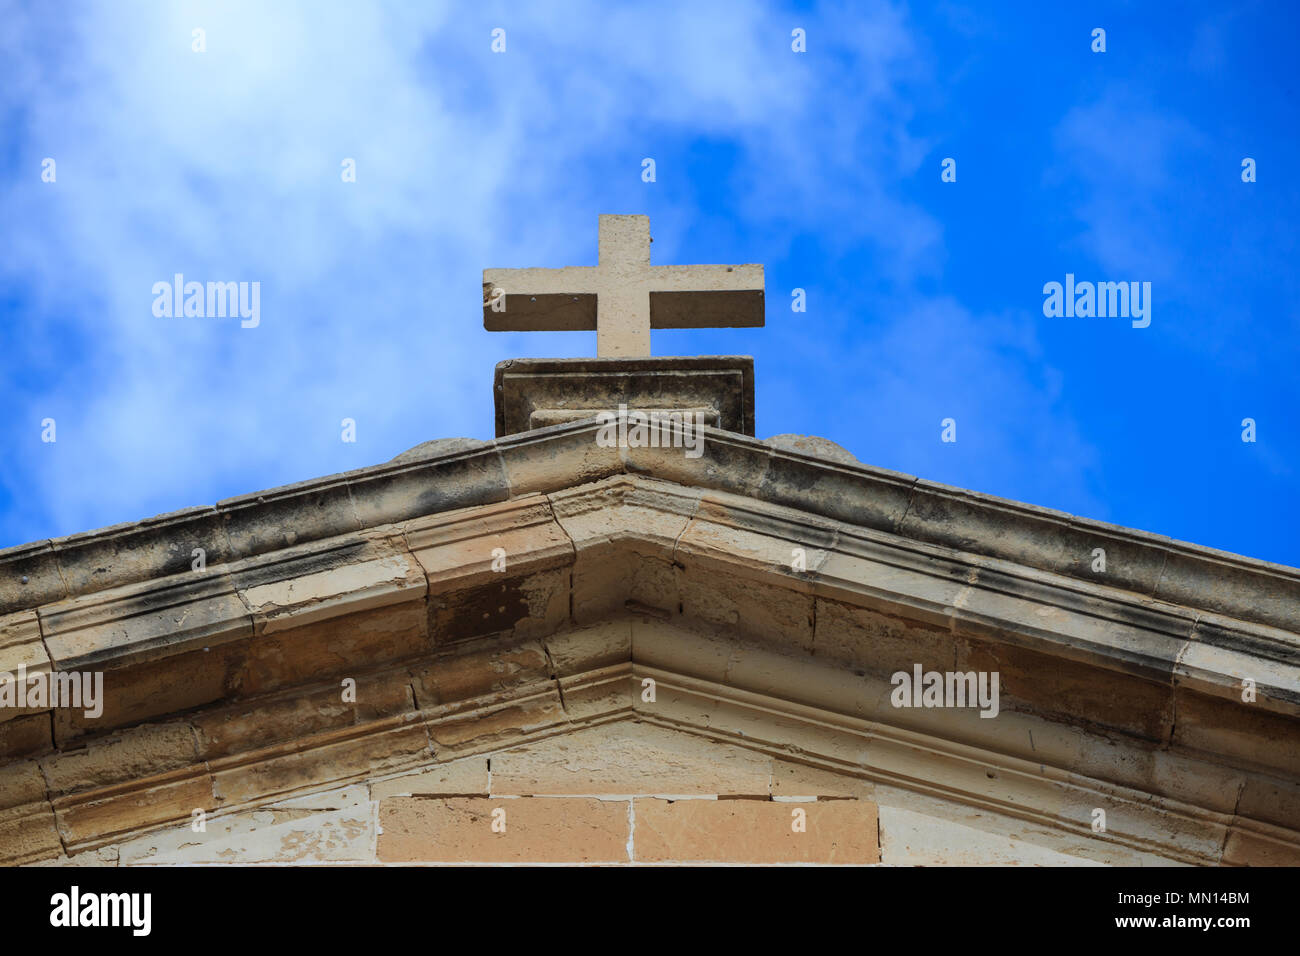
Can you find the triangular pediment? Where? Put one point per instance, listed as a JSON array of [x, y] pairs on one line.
[[496, 597]]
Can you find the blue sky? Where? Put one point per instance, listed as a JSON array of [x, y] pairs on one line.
[[924, 298]]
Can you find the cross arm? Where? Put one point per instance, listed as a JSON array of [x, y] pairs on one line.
[[547, 300], [708, 296]]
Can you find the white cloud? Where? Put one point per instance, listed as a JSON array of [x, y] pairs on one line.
[[224, 165]]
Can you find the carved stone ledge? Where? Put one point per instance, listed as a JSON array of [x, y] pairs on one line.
[[534, 393]]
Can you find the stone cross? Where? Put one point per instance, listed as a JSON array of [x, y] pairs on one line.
[[623, 297]]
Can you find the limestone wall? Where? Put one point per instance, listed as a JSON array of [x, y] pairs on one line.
[[619, 793]]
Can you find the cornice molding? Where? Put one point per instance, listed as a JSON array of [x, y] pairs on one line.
[[584, 553], [563, 456], [1193, 831]]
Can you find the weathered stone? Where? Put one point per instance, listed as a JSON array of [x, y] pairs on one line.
[[1065, 690], [755, 831], [869, 642], [280, 833], [857, 494], [20, 648], [1100, 627], [436, 448], [908, 838], [289, 515], [754, 666], [1037, 537], [128, 553], [624, 537], [127, 755], [338, 647], [1245, 734], [587, 648], [295, 714], [399, 491], [28, 833], [536, 830], [92, 819], [800, 780], [599, 695], [1231, 584], [534, 393], [1268, 799], [557, 457], [755, 539], [101, 856], [378, 577], [1223, 658], [146, 691], [624, 296], [147, 621], [456, 778], [529, 606], [470, 731], [491, 666], [868, 572], [727, 462], [470, 548], [760, 612], [24, 736], [629, 758], [20, 643], [813, 446], [337, 758], [1245, 848], [29, 577], [649, 516]]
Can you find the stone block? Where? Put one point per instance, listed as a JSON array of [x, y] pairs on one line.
[[557, 457], [290, 515], [1246, 734], [298, 713], [1038, 537], [456, 778], [792, 780], [755, 831], [132, 552], [472, 731], [86, 820], [137, 693], [628, 757], [124, 756], [29, 577], [25, 736], [1245, 848], [535, 392], [377, 577], [400, 491], [20, 648], [339, 758], [459, 550], [28, 833], [1062, 689], [582, 649], [536, 830], [280, 833], [145, 621], [494, 667], [908, 838], [334, 648]]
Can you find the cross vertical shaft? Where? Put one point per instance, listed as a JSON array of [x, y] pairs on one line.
[[623, 323]]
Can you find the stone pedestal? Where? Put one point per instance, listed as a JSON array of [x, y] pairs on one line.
[[534, 393]]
